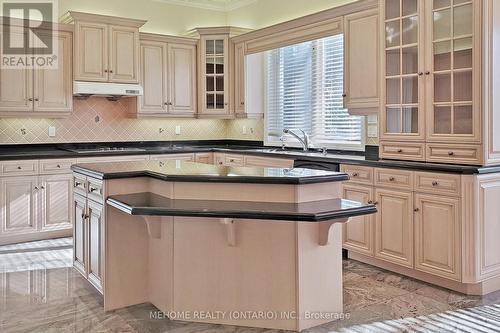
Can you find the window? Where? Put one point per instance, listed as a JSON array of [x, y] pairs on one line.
[[304, 87]]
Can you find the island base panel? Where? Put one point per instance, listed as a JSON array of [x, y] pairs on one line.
[[275, 272]]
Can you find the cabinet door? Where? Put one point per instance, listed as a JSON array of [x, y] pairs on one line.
[[79, 233], [394, 227], [362, 61], [402, 112], [359, 231], [454, 61], [239, 78], [95, 241], [182, 78], [55, 203], [91, 52], [214, 78], [124, 54], [437, 235], [53, 88], [16, 91], [153, 77], [19, 204]]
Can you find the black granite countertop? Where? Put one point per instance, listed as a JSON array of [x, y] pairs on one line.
[[184, 171], [44, 151], [150, 204]]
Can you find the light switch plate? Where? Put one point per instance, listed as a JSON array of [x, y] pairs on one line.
[[244, 130], [177, 130], [372, 119], [52, 131], [372, 131]]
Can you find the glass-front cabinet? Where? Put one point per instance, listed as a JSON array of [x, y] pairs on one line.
[[214, 77], [454, 86], [403, 115]]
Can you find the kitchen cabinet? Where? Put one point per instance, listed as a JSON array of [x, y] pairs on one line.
[[79, 232], [176, 157], [437, 235], [168, 76], [95, 241], [432, 87], [19, 196], [207, 158], [394, 226], [106, 47], [55, 204], [37, 92], [362, 62], [358, 234], [239, 78]]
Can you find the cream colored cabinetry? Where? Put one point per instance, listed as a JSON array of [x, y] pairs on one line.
[[358, 233], [168, 76], [88, 234], [362, 62], [237, 160], [176, 157], [106, 48], [40, 91], [35, 202], [418, 224], [434, 88], [239, 78]]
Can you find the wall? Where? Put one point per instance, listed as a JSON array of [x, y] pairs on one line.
[[162, 17]]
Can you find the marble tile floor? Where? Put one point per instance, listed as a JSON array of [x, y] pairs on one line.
[[60, 300]]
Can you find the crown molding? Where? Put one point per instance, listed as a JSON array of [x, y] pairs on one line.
[[217, 5]]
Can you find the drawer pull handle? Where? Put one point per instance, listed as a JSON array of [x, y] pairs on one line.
[[355, 174], [435, 183], [370, 202], [92, 189], [416, 210], [19, 168], [450, 153], [77, 184], [59, 166], [391, 179], [36, 188], [400, 150]]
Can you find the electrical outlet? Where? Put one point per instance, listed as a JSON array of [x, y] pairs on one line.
[[177, 130], [52, 131], [372, 131], [244, 130]]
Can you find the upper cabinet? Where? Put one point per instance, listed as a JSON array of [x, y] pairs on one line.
[[106, 48], [362, 62], [40, 92], [436, 64], [168, 76], [402, 109]]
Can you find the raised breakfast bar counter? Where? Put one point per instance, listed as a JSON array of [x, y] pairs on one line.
[[257, 247]]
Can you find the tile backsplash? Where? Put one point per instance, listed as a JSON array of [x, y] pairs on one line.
[[99, 120]]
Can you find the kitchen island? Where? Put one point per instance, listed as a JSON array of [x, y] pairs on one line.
[[247, 246]]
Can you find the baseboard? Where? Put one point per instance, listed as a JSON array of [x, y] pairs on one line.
[[35, 236]]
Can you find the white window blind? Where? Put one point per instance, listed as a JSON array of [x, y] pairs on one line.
[[304, 87]]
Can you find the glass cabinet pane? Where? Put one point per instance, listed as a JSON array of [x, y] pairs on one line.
[[462, 121], [410, 60], [392, 33], [393, 120], [410, 120], [442, 24], [210, 101], [462, 20], [441, 3], [219, 83], [410, 90], [442, 119], [210, 46], [392, 9], [442, 88], [462, 53], [393, 89], [462, 86], [219, 101], [442, 56], [410, 30], [392, 59], [210, 83], [219, 65], [219, 46], [409, 7]]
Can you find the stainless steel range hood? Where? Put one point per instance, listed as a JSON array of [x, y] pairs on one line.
[[104, 89]]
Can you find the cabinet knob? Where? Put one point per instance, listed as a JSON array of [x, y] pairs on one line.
[[344, 95], [420, 73], [77, 184], [36, 99], [450, 153], [391, 179], [400, 150], [242, 103], [59, 166], [355, 174], [111, 71], [92, 189], [105, 71], [416, 210], [30, 99], [435, 183], [427, 73], [36, 187], [370, 202], [19, 168]]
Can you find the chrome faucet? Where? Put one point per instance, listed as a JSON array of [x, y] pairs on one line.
[[304, 141]]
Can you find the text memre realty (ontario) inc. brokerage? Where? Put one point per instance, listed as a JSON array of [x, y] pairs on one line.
[[246, 315]]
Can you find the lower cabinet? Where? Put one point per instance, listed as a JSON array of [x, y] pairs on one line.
[[56, 202], [437, 235], [88, 239], [19, 205], [358, 233], [418, 223], [394, 226]]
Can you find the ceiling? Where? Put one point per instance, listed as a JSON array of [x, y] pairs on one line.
[[219, 5]]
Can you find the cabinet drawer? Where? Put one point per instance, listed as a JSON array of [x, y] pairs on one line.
[[207, 158], [234, 160], [94, 190], [173, 157], [268, 162], [121, 158], [358, 174], [437, 183], [50, 167], [402, 151], [461, 154], [80, 184], [394, 178], [19, 168]]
